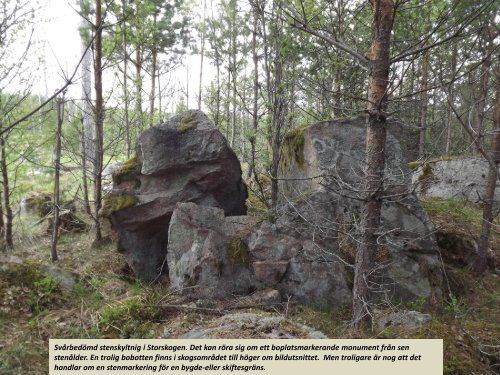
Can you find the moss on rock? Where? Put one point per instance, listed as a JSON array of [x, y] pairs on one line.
[[426, 178], [237, 252], [131, 165], [187, 122], [114, 202], [293, 147]]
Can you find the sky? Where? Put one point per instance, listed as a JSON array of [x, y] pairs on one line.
[[58, 43]]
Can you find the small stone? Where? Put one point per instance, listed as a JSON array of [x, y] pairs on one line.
[[405, 319]]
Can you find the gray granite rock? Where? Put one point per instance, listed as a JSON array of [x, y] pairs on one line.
[[185, 159], [322, 181]]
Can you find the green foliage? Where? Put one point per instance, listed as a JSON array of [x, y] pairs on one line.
[[455, 210], [44, 293], [417, 304], [455, 308], [10, 359], [131, 318]]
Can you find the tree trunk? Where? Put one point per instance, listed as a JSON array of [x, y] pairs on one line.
[[424, 71], [125, 83], [202, 57], [187, 85], [481, 264], [85, 184], [375, 159], [153, 86], [451, 94], [485, 76], [57, 169], [99, 121], [2, 226], [233, 114], [217, 67], [227, 103], [138, 92], [7, 210], [277, 106], [243, 120], [255, 118], [88, 130]]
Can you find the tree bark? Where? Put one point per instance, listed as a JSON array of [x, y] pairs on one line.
[[217, 66], [202, 57], [99, 121], [85, 184], [484, 81], [153, 85], [375, 159], [138, 92], [88, 130], [481, 263], [255, 114], [451, 94], [57, 169], [125, 83], [424, 71], [7, 209]]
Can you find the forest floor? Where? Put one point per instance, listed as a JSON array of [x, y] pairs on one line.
[[105, 302]]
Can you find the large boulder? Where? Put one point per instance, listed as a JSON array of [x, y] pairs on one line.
[[297, 266], [461, 178], [210, 255], [185, 159], [204, 254], [322, 180]]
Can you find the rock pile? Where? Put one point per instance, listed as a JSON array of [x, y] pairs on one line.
[[177, 207], [185, 159]]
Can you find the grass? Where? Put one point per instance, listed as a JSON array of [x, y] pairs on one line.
[[456, 211]]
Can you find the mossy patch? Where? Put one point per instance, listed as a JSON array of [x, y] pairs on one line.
[[426, 178], [39, 202], [418, 163], [188, 122], [26, 274], [128, 167], [114, 202], [293, 147], [237, 252]]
